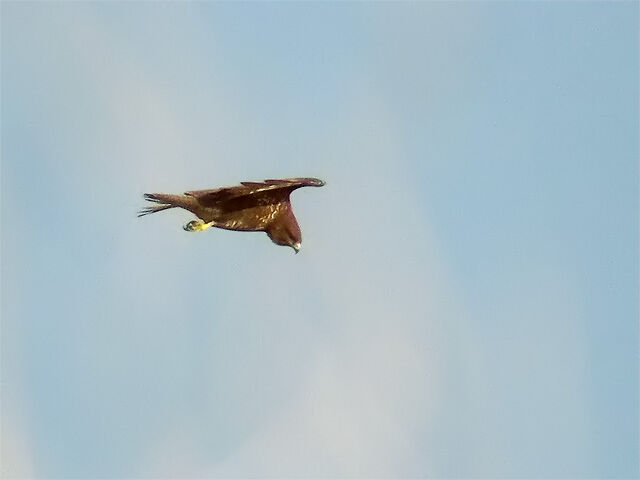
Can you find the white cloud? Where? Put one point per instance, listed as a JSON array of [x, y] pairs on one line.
[[372, 383], [15, 453]]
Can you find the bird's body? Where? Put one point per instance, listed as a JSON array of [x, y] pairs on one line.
[[251, 206]]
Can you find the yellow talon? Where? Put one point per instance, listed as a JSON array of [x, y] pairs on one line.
[[197, 226]]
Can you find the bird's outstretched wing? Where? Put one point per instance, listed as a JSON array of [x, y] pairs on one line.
[[270, 191]]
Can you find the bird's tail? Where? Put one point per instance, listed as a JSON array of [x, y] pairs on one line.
[[164, 202], [158, 208]]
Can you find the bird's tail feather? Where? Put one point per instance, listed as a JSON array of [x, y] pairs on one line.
[[158, 197], [164, 200], [157, 208]]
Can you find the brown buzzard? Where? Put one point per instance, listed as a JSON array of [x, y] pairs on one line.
[[250, 207]]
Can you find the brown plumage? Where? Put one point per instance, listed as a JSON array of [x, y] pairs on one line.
[[251, 207]]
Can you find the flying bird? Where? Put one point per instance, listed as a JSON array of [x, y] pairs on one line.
[[249, 207]]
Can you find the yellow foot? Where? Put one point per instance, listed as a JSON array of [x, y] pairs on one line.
[[197, 226]]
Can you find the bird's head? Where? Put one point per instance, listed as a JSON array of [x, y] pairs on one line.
[[287, 235], [292, 242]]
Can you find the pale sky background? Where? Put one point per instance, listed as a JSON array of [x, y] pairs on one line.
[[466, 300]]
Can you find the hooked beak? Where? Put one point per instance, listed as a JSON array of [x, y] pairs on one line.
[[297, 246]]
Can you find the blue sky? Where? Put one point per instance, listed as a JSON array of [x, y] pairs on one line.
[[466, 300]]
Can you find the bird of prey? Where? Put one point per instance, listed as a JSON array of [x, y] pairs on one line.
[[250, 207]]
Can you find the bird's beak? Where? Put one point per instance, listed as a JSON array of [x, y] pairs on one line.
[[297, 246]]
